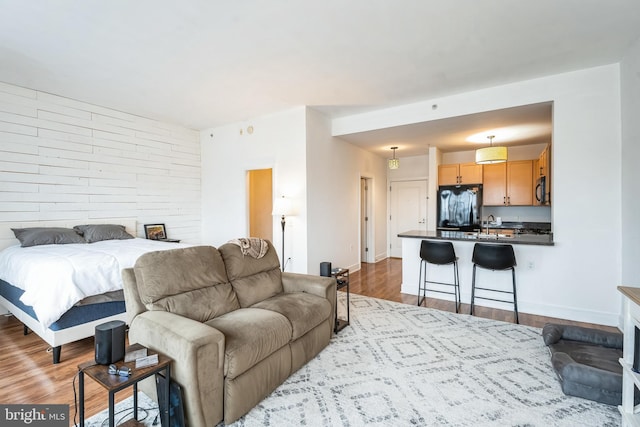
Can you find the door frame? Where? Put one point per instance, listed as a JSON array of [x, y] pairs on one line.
[[366, 232]]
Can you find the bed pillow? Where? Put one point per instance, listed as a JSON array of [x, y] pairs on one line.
[[98, 232], [36, 236]]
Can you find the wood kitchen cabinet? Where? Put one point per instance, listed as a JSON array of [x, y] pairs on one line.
[[535, 176], [542, 168], [508, 184], [543, 163], [462, 173], [494, 184]]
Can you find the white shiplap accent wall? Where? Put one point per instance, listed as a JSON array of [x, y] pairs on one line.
[[62, 159]]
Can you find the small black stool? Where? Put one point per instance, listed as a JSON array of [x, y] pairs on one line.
[[493, 256], [438, 253]]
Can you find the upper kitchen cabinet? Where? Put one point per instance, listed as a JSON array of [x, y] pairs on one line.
[[543, 162], [542, 178], [508, 184], [457, 174], [534, 180]]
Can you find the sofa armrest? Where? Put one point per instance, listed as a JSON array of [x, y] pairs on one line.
[[321, 286], [131, 297], [197, 351]]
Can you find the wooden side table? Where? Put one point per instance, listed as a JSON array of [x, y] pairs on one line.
[[115, 383]]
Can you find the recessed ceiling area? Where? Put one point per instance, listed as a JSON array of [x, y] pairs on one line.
[[522, 125]]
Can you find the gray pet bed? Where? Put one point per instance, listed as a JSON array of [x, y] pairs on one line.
[[586, 361]]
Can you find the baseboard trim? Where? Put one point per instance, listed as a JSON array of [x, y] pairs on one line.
[[546, 310]]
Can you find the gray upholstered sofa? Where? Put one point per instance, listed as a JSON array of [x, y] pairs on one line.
[[235, 326]]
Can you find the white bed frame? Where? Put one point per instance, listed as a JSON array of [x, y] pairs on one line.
[[65, 336]]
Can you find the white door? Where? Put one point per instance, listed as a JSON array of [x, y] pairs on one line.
[[408, 210]]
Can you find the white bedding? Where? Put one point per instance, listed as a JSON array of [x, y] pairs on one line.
[[55, 277]]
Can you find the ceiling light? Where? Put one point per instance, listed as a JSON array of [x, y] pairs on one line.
[[491, 154], [394, 163]]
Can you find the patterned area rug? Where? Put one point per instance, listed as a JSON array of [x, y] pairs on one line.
[[402, 365]]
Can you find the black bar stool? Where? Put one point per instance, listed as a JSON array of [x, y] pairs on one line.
[[438, 253], [492, 256]]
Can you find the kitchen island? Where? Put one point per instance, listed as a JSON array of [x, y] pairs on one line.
[[532, 252]]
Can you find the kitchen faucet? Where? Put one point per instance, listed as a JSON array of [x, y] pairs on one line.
[[493, 218]]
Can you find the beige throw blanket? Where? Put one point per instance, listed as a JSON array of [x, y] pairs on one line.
[[252, 246]]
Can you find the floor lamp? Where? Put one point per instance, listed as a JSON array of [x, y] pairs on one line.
[[282, 207]]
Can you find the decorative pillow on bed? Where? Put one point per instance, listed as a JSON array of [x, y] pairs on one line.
[[97, 232], [46, 236]]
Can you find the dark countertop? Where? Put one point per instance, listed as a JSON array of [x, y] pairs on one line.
[[517, 239]]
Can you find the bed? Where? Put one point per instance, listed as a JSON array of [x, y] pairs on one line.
[[26, 290]]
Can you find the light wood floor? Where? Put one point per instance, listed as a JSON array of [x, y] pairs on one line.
[[28, 376], [384, 279]]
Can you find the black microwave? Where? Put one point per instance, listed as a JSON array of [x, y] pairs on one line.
[[541, 191]]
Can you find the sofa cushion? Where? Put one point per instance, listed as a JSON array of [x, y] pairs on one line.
[[251, 335], [191, 282], [304, 311], [253, 279]]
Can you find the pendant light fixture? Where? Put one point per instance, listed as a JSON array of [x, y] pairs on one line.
[[491, 154], [394, 163]]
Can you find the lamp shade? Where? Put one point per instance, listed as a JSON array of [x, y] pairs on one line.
[[282, 207], [492, 154]]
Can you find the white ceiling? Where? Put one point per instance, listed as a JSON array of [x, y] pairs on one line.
[[204, 63]]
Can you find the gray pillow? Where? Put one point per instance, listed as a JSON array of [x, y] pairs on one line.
[[97, 232], [46, 236]]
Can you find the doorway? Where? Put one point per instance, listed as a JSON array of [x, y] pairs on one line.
[[408, 211], [260, 193]]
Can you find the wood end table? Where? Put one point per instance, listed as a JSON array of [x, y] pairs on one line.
[[114, 383]]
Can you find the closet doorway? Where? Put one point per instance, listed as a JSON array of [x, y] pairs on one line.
[[260, 190]]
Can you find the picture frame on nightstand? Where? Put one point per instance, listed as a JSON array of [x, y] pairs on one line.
[[155, 231]]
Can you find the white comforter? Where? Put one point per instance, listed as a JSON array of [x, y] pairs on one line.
[[55, 277]]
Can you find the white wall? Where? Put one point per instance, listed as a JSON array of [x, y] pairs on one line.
[[277, 142], [576, 278], [630, 92], [415, 167], [334, 169], [62, 159], [320, 173]]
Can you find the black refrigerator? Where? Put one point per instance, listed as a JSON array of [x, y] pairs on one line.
[[459, 207]]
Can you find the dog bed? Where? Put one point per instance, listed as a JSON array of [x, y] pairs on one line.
[[586, 361]]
